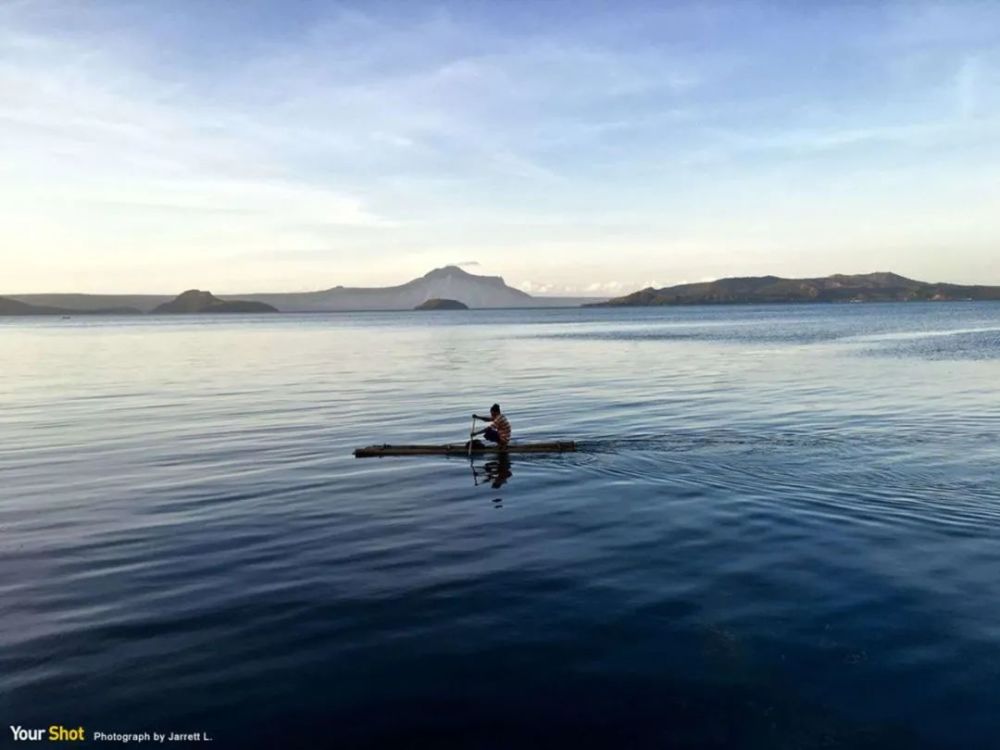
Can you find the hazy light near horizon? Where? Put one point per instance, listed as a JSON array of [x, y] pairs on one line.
[[152, 147]]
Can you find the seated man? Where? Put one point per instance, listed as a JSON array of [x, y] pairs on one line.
[[498, 430]]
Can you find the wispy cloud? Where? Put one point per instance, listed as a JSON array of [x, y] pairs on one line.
[[646, 143]]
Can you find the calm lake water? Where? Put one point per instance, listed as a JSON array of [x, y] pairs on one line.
[[782, 529]]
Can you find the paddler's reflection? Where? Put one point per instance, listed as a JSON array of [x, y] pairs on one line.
[[496, 472]]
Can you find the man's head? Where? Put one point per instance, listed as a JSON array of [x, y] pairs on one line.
[[495, 410]]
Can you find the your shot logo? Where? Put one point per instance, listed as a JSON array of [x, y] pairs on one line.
[[54, 733]]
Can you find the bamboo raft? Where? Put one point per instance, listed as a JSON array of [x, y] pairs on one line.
[[461, 449]]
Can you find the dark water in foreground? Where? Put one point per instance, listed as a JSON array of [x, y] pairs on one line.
[[781, 532]]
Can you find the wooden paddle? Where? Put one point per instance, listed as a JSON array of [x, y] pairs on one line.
[[472, 434]]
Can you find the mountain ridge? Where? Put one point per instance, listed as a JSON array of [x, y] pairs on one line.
[[452, 282], [448, 282], [880, 286], [11, 306]]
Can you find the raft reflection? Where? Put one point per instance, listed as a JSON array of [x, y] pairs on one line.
[[495, 473]]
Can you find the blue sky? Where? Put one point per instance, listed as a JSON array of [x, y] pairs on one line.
[[572, 147]]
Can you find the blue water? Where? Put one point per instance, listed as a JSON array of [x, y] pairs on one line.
[[781, 530]]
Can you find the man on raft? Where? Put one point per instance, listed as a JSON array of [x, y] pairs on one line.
[[498, 430]]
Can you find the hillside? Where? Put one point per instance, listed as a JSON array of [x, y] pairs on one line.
[[872, 287], [195, 301]]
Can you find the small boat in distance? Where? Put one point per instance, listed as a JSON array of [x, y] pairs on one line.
[[461, 449]]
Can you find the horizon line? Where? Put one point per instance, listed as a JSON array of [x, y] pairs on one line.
[[15, 295]]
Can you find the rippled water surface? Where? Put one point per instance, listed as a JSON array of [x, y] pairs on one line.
[[781, 529]]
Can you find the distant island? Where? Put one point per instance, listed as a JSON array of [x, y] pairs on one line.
[[195, 301], [871, 287], [449, 282], [14, 307], [442, 304]]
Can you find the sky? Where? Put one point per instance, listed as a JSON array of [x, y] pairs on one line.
[[580, 148]]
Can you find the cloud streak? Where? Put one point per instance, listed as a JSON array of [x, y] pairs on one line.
[[384, 140]]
